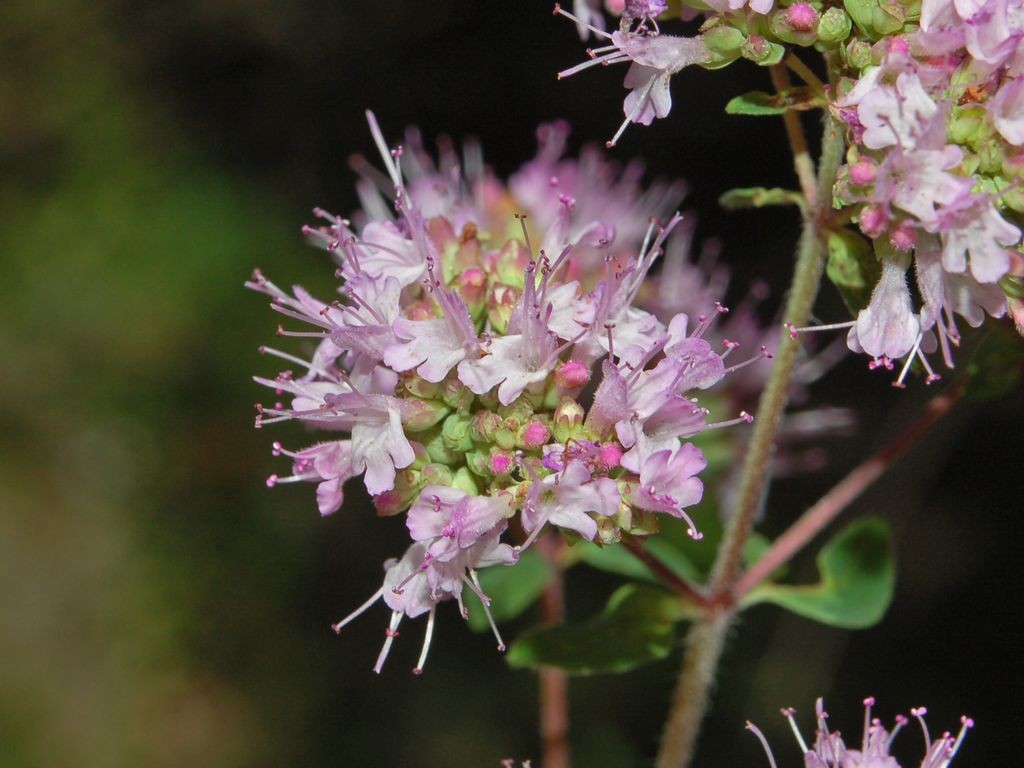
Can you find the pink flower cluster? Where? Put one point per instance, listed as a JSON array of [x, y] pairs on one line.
[[456, 360], [829, 750], [937, 156]]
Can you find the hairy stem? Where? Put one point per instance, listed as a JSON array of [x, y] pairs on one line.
[[849, 488], [802, 162], [706, 638], [554, 683]]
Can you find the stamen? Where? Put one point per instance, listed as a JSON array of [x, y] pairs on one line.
[[965, 724], [391, 633], [599, 32], [637, 108], [427, 637], [919, 713], [868, 703], [358, 611], [382, 148], [764, 742], [793, 330], [906, 365], [744, 417], [788, 713], [764, 354], [487, 612]]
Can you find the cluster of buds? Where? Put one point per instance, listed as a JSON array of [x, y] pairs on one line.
[[829, 750], [932, 96], [487, 389]]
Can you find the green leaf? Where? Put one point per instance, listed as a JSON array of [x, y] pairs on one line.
[[512, 589], [852, 267], [857, 577], [755, 103], [758, 197], [636, 627], [758, 103]]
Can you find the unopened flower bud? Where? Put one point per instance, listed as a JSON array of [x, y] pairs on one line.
[[802, 17], [760, 50], [485, 424], [903, 237], [463, 480], [501, 463], [571, 376], [436, 474], [888, 18], [873, 220], [420, 388], [834, 26], [862, 173], [510, 263], [468, 255], [500, 302], [423, 414], [534, 434], [723, 44], [471, 285], [421, 310], [568, 418], [456, 394], [610, 456], [456, 432], [798, 28], [858, 54], [408, 483]]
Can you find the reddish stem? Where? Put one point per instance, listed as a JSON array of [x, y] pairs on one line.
[[554, 683], [665, 573], [848, 489]]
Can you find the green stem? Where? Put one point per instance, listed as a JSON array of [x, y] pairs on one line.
[[706, 638]]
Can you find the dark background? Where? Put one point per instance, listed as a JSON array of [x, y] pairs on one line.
[[163, 608]]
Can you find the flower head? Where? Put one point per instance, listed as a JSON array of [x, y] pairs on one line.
[[451, 360], [830, 751]]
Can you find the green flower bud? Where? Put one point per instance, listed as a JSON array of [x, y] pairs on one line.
[[438, 450], [888, 18], [471, 285], [408, 484], [834, 27], [861, 13], [857, 54], [456, 395], [425, 414], [501, 300], [724, 44], [485, 424], [568, 420], [479, 462], [506, 438], [457, 434], [511, 263], [760, 50], [463, 480], [797, 24], [436, 474], [418, 388]]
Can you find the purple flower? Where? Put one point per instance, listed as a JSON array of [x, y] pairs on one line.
[[668, 483], [329, 464], [452, 521], [887, 328], [830, 751], [567, 499], [654, 59]]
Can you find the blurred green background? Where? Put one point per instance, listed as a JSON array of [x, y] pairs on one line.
[[163, 608]]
